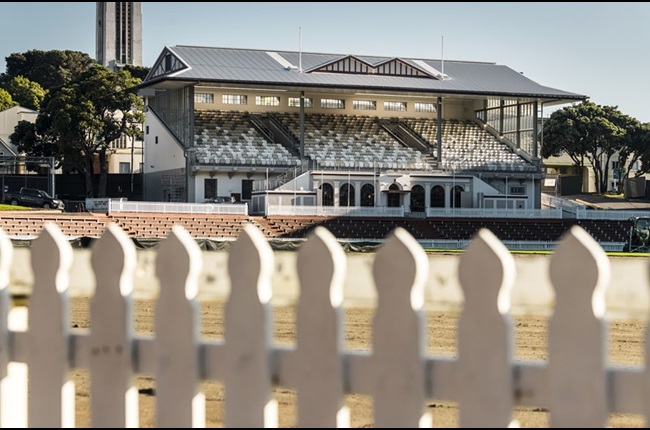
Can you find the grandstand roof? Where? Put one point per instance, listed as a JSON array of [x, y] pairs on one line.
[[211, 66]]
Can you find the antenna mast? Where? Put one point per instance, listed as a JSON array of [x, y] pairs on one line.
[[300, 49], [442, 57]]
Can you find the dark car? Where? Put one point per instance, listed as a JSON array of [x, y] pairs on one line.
[[34, 198]]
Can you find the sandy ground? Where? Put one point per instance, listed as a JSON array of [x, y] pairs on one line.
[[625, 347]]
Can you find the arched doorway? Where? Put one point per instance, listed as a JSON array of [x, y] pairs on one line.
[[367, 195], [454, 197], [417, 198], [394, 197], [346, 195], [328, 195], [437, 197]]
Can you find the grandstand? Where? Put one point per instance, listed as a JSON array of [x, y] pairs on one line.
[[302, 133]]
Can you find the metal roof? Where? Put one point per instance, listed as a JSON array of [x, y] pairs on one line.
[[206, 65]]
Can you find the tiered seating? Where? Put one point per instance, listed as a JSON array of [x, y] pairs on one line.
[[607, 230], [352, 141], [224, 137], [157, 225], [465, 146], [28, 225]]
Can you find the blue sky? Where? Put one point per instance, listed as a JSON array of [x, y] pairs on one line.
[[601, 50]]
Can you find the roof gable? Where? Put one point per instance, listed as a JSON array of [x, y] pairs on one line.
[[168, 63], [355, 65]]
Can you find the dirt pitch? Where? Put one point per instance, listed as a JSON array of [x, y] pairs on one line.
[[625, 347]]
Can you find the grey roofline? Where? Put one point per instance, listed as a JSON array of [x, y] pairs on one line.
[[358, 87]]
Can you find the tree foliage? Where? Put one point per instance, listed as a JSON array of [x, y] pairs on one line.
[[586, 132], [6, 101], [78, 122], [138, 72], [50, 69], [25, 92]]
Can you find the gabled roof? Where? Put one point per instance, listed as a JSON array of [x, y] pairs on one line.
[[208, 65]]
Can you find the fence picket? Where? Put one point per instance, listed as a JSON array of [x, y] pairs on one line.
[[400, 271], [180, 402], [318, 356], [114, 395], [7, 386], [248, 333], [51, 390], [580, 272], [485, 336]]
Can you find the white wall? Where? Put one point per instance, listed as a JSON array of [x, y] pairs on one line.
[[167, 154]]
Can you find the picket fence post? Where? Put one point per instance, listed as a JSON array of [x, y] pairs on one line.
[[51, 390], [114, 396], [577, 356], [485, 335]]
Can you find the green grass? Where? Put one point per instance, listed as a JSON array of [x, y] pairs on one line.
[[4, 207]]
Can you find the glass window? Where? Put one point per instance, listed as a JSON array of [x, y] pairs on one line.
[[234, 99], [125, 167], [295, 102], [367, 195], [209, 188], [346, 195], [246, 189], [328, 195], [425, 107], [203, 98], [332, 103], [364, 104], [267, 101], [395, 106]]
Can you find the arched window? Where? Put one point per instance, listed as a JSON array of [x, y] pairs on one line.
[[328, 195], [437, 197], [346, 195], [417, 198], [454, 198], [367, 195]]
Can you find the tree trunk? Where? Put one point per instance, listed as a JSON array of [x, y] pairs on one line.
[[103, 173], [88, 176]]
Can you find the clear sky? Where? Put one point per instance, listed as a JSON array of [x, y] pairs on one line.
[[601, 50]]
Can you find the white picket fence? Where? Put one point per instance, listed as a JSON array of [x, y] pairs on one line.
[[576, 384]]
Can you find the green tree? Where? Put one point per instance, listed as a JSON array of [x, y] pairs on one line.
[[78, 122], [25, 92], [640, 138], [138, 72], [6, 101], [586, 132], [50, 69]]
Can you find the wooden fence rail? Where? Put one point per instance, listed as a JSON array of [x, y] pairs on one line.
[[576, 384]]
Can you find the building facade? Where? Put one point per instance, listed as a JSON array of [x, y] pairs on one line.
[[312, 129]]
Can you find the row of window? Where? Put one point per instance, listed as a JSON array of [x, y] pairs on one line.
[[239, 99], [347, 196]]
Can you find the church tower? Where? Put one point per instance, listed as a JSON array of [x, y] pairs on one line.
[[119, 34]]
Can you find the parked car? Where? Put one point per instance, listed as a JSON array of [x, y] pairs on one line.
[[220, 199], [33, 197]]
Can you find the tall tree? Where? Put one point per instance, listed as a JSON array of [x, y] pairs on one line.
[[6, 101], [50, 69], [79, 121], [587, 132], [25, 92]]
